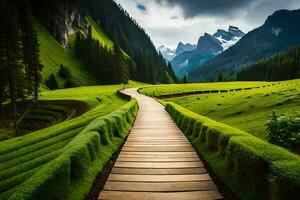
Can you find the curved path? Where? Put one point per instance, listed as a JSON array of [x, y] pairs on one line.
[[157, 161]]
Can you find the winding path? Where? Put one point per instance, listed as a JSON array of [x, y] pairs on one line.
[[157, 161]]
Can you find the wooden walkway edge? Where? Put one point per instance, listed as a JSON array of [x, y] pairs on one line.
[[157, 161]]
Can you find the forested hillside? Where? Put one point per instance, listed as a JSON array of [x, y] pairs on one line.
[[284, 66], [141, 61], [54, 56]]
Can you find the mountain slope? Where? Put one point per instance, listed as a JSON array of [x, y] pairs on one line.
[[181, 48], [149, 65], [53, 54], [284, 66], [279, 32], [207, 48], [63, 18]]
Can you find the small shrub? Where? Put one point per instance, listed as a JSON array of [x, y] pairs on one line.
[[284, 131]]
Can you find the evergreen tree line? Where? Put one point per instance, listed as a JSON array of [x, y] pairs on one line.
[[109, 66], [283, 66], [20, 66]]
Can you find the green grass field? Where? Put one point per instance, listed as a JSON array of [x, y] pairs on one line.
[[23, 156], [248, 110]]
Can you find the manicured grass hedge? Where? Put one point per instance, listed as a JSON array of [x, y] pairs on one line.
[[260, 170], [71, 174], [171, 90]]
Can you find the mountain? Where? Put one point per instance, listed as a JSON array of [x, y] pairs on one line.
[[207, 48], [167, 53], [280, 31], [170, 54], [181, 48], [284, 66]]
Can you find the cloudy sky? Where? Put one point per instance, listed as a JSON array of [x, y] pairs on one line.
[[170, 21]]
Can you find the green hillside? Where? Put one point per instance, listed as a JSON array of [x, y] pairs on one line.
[[52, 55], [99, 34]]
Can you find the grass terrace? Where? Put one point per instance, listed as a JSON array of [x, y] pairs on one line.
[[23, 157]]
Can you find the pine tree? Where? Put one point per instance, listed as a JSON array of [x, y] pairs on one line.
[[31, 58], [12, 69]]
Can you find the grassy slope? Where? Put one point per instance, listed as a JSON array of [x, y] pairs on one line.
[[53, 55], [99, 34], [247, 110], [29, 152]]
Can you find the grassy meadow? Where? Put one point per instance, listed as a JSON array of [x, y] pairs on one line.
[[226, 124], [248, 110]]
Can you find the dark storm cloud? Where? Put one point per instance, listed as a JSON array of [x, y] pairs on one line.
[[193, 8], [141, 7], [255, 9]]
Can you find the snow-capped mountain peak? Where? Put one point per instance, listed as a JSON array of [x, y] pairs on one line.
[[166, 52], [230, 37], [169, 54]]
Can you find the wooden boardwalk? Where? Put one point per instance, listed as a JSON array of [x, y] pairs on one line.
[[157, 161]]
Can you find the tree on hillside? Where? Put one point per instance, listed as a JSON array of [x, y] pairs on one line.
[[120, 67], [11, 56], [51, 82]]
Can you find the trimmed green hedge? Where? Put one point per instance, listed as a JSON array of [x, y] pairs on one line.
[[58, 177], [268, 171]]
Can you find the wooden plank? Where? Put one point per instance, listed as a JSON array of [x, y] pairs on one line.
[[166, 171], [156, 145], [157, 159], [159, 164], [194, 195], [169, 154], [159, 178], [156, 149], [160, 186]]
